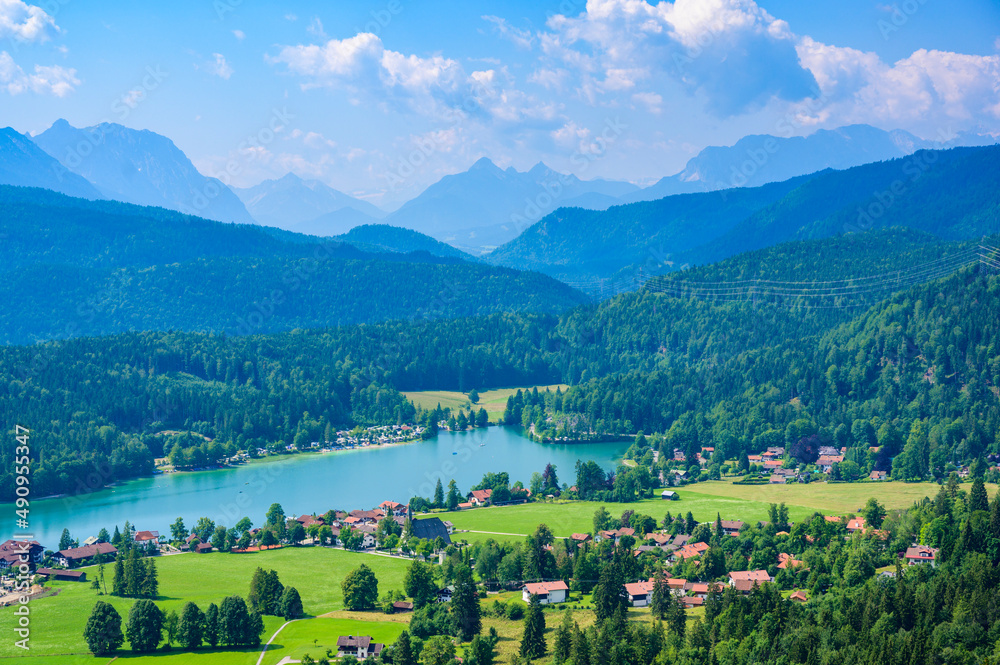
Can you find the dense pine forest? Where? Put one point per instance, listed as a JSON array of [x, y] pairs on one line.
[[922, 368]]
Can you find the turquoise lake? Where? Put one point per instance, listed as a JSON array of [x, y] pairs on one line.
[[313, 482]]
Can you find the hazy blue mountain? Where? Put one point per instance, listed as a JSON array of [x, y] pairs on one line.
[[575, 244], [24, 164], [385, 238], [306, 206], [141, 167], [759, 159], [487, 206], [80, 267], [950, 194]]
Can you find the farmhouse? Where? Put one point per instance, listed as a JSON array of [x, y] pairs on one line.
[[63, 575], [669, 495], [731, 527], [76, 555], [547, 592], [359, 646], [147, 540], [920, 555], [640, 593], [480, 497], [15, 552]]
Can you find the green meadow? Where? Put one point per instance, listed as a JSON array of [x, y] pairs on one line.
[[57, 622], [494, 401], [703, 500]]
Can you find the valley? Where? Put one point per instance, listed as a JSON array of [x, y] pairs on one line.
[[602, 333]]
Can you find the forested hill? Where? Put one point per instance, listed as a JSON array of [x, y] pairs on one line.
[[573, 243], [78, 267], [952, 194], [921, 368]]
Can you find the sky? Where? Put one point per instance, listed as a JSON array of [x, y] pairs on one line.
[[382, 98]]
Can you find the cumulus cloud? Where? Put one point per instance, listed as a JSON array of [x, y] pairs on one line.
[[54, 80], [25, 23], [434, 86], [928, 89], [239, 34], [732, 52], [219, 67], [737, 58]]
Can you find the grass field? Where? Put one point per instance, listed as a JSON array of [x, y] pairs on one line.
[[494, 401], [704, 500], [57, 622]]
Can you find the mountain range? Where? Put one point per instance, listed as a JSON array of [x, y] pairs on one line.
[[79, 267], [24, 164], [952, 194], [306, 206], [140, 167], [475, 211]]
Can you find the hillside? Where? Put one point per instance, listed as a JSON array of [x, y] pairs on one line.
[[96, 268], [573, 243], [385, 238], [140, 167], [951, 194], [24, 164], [736, 375]]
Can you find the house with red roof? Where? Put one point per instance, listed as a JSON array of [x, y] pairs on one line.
[[919, 555], [480, 497], [547, 592]]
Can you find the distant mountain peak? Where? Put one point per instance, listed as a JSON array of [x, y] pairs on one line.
[[484, 164]]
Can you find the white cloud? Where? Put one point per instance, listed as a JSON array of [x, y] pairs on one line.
[[927, 90], [434, 86], [239, 34], [518, 36], [219, 67], [54, 80], [315, 28], [652, 101], [25, 23], [732, 52]]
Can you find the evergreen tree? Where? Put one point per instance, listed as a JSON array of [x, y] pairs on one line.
[[402, 652], [533, 637], [134, 574], [438, 495], [609, 593], [236, 625], [978, 500], [103, 632], [563, 647], [170, 624], [145, 626], [118, 585], [454, 497], [465, 604], [116, 539], [150, 583], [660, 595], [211, 630], [65, 542], [291, 604], [191, 626]]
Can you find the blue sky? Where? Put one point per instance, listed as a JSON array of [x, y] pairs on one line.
[[381, 98]]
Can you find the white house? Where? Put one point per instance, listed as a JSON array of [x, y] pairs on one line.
[[547, 592]]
